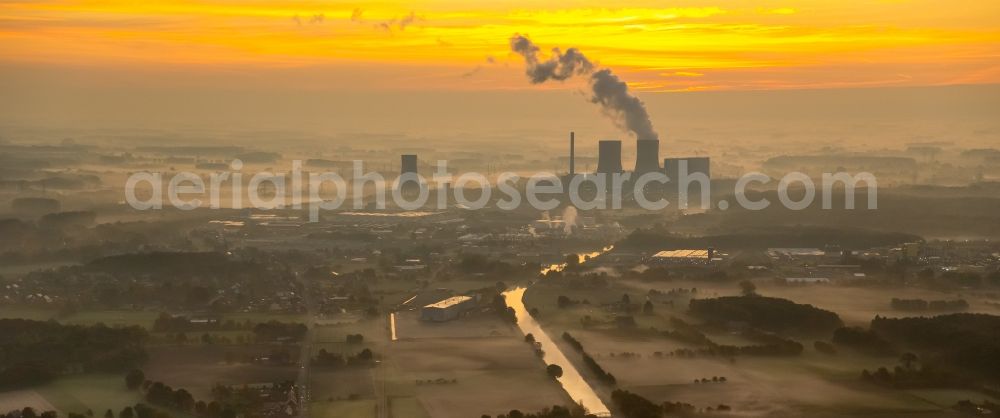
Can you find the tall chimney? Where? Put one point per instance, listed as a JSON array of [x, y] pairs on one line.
[[408, 165], [609, 156], [647, 156], [572, 154]]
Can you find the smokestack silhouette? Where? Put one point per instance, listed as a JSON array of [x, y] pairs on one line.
[[647, 156], [609, 157], [408, 165], [607, 90], [572, 154]]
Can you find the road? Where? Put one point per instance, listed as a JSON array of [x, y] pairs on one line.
[[378, 376], [305, 357]]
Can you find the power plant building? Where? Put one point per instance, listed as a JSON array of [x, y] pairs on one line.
[[408, 164], [609, 156], [672, 167], [447, 309]]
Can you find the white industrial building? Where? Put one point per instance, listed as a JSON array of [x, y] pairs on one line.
[[447, 309], [688, 257]]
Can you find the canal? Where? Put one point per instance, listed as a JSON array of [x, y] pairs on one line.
[[572, 382]]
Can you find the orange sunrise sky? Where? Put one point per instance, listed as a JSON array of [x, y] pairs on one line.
[[656, 45], [445, 68]]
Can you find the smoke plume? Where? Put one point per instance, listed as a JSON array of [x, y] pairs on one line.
[[558, 67], [607, 90], [569, 219]]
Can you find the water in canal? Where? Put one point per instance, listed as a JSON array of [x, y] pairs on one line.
[[571, 380]]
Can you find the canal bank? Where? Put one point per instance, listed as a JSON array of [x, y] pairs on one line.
[[572, 381]]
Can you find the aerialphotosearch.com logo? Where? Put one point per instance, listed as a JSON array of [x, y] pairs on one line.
[[328, 191]]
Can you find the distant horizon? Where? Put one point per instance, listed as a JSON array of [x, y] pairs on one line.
[[40, 112]]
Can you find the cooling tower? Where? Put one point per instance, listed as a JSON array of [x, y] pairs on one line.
[[647, 156], [408, 164], [609, 156]]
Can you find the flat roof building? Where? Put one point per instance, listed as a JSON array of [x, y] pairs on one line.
[[447, 309], [683, 256]]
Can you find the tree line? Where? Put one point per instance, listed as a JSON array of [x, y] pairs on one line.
[[364, 358], [766, 313], [601, 374], [933, 305], [36, 352]]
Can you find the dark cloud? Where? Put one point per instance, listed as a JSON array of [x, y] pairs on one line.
[[313, 19], [473, 71], [407, 20], [559, 66], [399, 23], [489, 61]]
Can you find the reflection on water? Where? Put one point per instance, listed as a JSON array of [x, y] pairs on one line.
[[581, 258], [571, 380], [392, 325]]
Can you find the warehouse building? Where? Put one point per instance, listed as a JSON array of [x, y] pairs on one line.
[[447, 309], [684, 257]]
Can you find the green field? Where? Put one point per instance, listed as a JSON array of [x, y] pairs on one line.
[[127, 317], [97, 393], [26, 312], [112, 318], [407, 407], [8, 272]]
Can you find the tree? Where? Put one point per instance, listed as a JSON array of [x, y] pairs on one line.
[[109, 414], [200, 408], [626, 300], [635, 406], [134, 379], [554, 370], [572, 260], [994, 278], [127, 413], [647, 308], [529, 338], [747, 288], [183, 400]]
